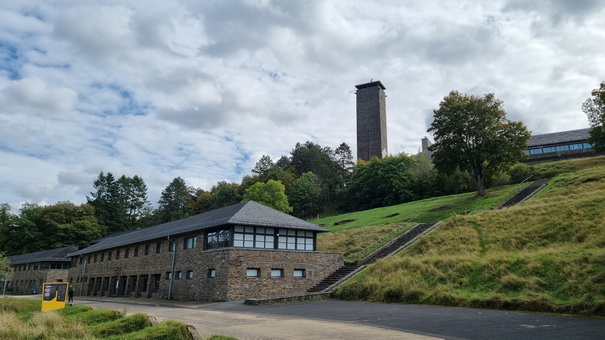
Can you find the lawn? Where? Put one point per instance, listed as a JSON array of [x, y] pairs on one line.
[[546, 254]]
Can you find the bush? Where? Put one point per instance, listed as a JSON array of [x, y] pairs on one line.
[[96, 316], [122, 326], [168, 330]]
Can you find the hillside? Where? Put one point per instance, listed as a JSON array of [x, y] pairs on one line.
[[546, 254]]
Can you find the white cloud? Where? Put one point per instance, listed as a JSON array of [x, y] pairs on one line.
[[201, 90]]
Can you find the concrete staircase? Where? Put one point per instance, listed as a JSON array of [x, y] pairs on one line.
[[339, 275], [396, 245], [525, 194]]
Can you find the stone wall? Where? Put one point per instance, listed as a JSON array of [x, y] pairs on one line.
[[25, 281], [137, 276]]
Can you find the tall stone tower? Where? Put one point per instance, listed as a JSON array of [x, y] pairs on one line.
[[371, 121]]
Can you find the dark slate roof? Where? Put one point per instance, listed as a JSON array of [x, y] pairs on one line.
[[371, 84], [559, 137], [59, 254], [246, 213]]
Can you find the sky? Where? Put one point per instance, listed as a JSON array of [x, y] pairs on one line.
[[202, 89]]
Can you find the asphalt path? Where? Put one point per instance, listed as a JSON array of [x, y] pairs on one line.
[[335, 319]]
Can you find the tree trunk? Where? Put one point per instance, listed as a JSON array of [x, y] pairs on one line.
[[480, 187]]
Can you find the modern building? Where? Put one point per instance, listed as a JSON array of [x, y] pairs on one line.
[[559, 145], [550, 146], [27, 272], [246, 250], [371, 121]]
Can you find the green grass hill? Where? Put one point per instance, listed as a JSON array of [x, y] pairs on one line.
[[546, 254]]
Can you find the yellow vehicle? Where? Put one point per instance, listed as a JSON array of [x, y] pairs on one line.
[[54, 295]]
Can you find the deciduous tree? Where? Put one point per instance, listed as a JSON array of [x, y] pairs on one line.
[[380, 182], [473, 134], [271, 194], [306, 195], [594, 108]]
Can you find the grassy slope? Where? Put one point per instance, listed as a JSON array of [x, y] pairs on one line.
[[354, 232], [547, 254]]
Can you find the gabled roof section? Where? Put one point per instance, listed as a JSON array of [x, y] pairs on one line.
[[559, 137], [246, 213], [58, 254]]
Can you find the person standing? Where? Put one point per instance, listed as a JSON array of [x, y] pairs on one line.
[[70, 294]]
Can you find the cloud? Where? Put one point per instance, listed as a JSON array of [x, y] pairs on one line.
[[34, 95], [201, 90]]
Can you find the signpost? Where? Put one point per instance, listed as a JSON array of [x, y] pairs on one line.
[[54, 295]]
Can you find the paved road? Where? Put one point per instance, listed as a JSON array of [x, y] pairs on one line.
[[334, 319]]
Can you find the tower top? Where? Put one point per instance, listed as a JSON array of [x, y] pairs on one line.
[[371, 84]]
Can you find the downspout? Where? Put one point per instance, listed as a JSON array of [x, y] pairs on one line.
[[82, 276], [29, 274], [173, 266]]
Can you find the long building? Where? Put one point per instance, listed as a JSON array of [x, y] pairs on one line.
[[242, 251], [27, 272]]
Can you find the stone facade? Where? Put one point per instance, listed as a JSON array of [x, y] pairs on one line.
[[28, 272], [371, 121], [208, 275]]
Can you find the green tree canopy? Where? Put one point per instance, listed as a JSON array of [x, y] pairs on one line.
[[594, 108], [472, 133], [121, 203], [271, 194], [306, 195], [174, 200], [380, 182], [225, 194]]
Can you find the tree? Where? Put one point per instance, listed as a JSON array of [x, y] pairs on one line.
[[595, 110], [320, 161], [264, 163], [271, 194], [226, 194], [64, 224], [306, 194], [473, 134], [380, 182], [173, 201], [120, 204]]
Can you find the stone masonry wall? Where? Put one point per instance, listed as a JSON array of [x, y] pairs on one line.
[[137, 276]]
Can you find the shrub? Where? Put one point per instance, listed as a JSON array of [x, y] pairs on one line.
[[123, 325]]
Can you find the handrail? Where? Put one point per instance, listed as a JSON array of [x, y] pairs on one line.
[[374, 246], [516, 190]]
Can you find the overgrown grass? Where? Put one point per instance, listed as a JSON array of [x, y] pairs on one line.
[[546, 254], [22, 319]]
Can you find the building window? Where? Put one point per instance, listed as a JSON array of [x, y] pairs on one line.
[[189, 275], [109, 256], [277, 272], [102, 257], [158, 247], [136, 251], [295, 239], [211, 273], [298, 273], [179, 275], [126, 252], [168, 275], [95, 258], [253, 272], [147, 249], [156, 282], [117, 254], [189, 242], [81, 260], [254, 237], [172, 246], [218, 239]]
